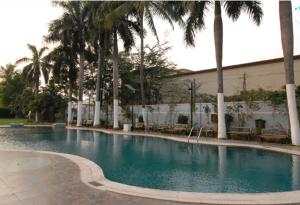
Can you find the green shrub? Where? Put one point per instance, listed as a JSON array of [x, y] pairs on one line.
[[281, 141], [182, 119], [140, 119], [5, 113]]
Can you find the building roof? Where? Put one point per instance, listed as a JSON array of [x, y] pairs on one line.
[[183, 70], [275, 60]]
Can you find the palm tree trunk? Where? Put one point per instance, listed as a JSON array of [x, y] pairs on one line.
[[37, 82], [142, 69], [70, 105], [115, 79], [218, 36], [79, 108], [97, 104], [287, 41]]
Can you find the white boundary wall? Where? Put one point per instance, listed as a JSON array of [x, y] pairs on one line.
[[166, 114]]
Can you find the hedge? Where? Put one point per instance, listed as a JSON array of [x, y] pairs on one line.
[[5, 113]]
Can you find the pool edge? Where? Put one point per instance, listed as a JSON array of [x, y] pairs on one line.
[[190, 197]]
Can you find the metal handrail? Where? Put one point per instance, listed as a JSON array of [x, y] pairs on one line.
[[190, 134], [199, 134]]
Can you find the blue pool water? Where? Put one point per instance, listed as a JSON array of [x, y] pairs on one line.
[[162, 164]]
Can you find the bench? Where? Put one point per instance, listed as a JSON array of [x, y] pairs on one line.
[[208, 131], [73, 122], [274, 133], [162, 128], [240, 131], [178, 129], [87, 123], [139, 126]]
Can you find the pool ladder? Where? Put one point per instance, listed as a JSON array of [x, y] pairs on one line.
[[189, 136], [188, 139]]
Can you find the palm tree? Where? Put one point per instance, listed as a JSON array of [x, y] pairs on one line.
[[8, 71], [76, 14], [144, 11], [64, 71], [118, 25], [287, 40], [97, 36], [38, 66], [195, 21], [64, 57]]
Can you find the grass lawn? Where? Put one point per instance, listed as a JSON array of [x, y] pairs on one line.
[[19, 120]]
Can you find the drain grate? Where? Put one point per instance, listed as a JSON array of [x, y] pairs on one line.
[[95, 183]]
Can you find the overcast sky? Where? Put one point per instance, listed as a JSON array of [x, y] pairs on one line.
[[24, 21]]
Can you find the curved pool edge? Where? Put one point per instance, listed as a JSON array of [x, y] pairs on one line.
[[179, 196], [266, 146], [91, 172]]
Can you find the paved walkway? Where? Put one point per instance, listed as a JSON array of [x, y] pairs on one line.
[[29, 178]]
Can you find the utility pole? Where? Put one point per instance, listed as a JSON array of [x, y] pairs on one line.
[[244, 82], [192, 89]]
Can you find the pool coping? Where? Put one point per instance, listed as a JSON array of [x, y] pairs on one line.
[[190, 197]]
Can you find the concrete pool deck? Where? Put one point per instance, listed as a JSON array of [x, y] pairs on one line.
[[30, 177]]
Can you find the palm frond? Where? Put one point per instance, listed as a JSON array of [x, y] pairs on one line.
[[23, 60], [150, 22]]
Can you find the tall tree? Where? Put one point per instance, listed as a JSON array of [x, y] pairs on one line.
[[119, 24], [195, 21], [287, 40], [38, 66], [97, 37], [64, 56], [76, 14], [145, 11]]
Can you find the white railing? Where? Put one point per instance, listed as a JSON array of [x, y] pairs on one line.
[[199, 134], [190, 134]]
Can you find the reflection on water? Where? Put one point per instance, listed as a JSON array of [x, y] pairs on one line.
[[162, 164], [295, 172]]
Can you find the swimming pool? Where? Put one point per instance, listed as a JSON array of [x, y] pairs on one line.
[[168, 165]]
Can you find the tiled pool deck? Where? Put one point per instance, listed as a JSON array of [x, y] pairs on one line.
[[41, 178], [33, 178]]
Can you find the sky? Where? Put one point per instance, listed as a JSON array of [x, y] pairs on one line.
[[26, 21]]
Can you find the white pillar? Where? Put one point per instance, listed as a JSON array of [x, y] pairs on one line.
[[97, 114], [144, 114], [221, 117], [69, 112], [116, 114], [79, 113], [293, 114], [36, 116]]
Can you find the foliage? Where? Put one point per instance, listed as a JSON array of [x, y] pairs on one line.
[[228, 120], [276, 98], [5, 113], [38, 64], [156, 67], [11, 87], [49, 102], [8, 121], [196, 11], [182, 119], [127, 113], [140, 119]]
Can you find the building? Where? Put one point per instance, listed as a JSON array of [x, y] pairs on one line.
[[267, 74]]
